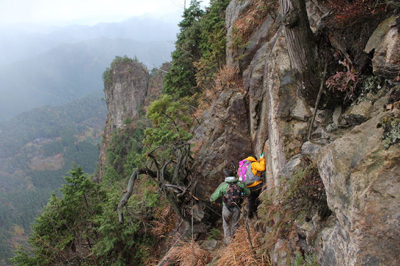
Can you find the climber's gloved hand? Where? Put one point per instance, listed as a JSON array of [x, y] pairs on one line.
[[262, 155]]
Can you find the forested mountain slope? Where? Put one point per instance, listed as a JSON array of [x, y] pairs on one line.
[[313, 84], [38, 148]]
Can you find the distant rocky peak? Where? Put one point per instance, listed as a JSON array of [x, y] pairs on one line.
[[125, 87]]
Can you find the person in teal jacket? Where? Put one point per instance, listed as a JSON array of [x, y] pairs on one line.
[[230, 210]]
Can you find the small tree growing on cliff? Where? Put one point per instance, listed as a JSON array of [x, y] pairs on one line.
[[170, 156], [171, 123]]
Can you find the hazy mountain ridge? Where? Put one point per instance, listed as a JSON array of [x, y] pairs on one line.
[[20, 42], [47, 65], [69, 71], [136, 28]]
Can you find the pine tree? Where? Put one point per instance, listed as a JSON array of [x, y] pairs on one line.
[[180, 80]]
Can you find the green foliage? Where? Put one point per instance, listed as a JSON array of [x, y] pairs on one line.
[[122, 60], [181, 80], [238, 40], [213, 42], [127, 121], [115, 237], [306, 260], [111, 175], [128, 243], [215, 234], [107, 76], [81, 227], [64, 224], [123, 153], [171, 123]]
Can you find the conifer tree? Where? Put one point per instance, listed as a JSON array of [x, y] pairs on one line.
[[213, 42], [181, 80], [63, 233]]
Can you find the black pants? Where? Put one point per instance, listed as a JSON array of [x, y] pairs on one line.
[[253, 200]]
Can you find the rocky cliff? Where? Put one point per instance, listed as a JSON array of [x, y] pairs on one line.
[[360, 175], [352, 144], [128, 87]]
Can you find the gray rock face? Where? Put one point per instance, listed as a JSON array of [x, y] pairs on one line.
[[386, 43], [310, 150], [221, 138], [277, 114], [362, 181], [361, 177], [127, 92], [233, 11], [291, 166]]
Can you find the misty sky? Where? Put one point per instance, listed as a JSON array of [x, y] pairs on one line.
[[86, 11]]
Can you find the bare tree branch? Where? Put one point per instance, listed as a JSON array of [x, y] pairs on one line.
[[129, 189], [172, 182]]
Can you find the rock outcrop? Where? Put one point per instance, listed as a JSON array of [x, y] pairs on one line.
[[222, 137], [128, 88], [362, 180], [385, 42], [361, 176], [127, 91]]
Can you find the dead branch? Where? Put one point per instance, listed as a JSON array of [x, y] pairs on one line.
[[171, 183], [129, 189]]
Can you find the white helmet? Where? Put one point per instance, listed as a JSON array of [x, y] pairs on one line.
[[231, 179]]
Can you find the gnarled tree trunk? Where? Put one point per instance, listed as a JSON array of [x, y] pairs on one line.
[[176, 183], [302, 48]]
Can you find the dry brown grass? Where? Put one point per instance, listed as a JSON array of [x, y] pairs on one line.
[[226, 78], [253, 18], [239, 251], [165, 221], [350, 12], [189, 254]]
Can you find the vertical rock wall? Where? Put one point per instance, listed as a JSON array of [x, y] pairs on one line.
[[126, 93], [222, 137], [362, 181]]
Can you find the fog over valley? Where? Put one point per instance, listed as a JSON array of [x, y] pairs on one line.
[[67, 62]]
